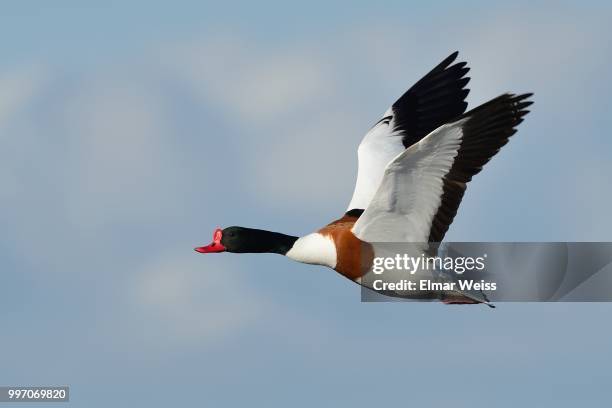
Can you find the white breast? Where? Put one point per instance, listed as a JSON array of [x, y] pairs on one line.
[[314, 249]]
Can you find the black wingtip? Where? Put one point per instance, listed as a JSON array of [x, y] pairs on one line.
[[447, 61], [435, 99], [522, 97]]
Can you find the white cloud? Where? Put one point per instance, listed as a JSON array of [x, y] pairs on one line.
[[100, 156], [17, 88], [252, 86], [124, 166], [198, 302], [311, 168], [553, 55]]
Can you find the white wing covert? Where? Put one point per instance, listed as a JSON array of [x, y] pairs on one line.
[[421, 188]]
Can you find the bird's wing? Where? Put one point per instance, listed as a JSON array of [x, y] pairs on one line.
[[434, 100], [423, 186]]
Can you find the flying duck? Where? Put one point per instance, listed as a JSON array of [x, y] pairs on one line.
[[414, 165]]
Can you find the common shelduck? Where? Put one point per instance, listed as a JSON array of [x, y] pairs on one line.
[[414, 164]]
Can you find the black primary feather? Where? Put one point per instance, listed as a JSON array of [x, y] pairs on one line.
[[436, 99], [487, 129]]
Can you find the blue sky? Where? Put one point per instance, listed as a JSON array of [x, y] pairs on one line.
[[128, 132]]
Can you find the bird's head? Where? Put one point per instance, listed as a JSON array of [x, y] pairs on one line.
[[247, 240]]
